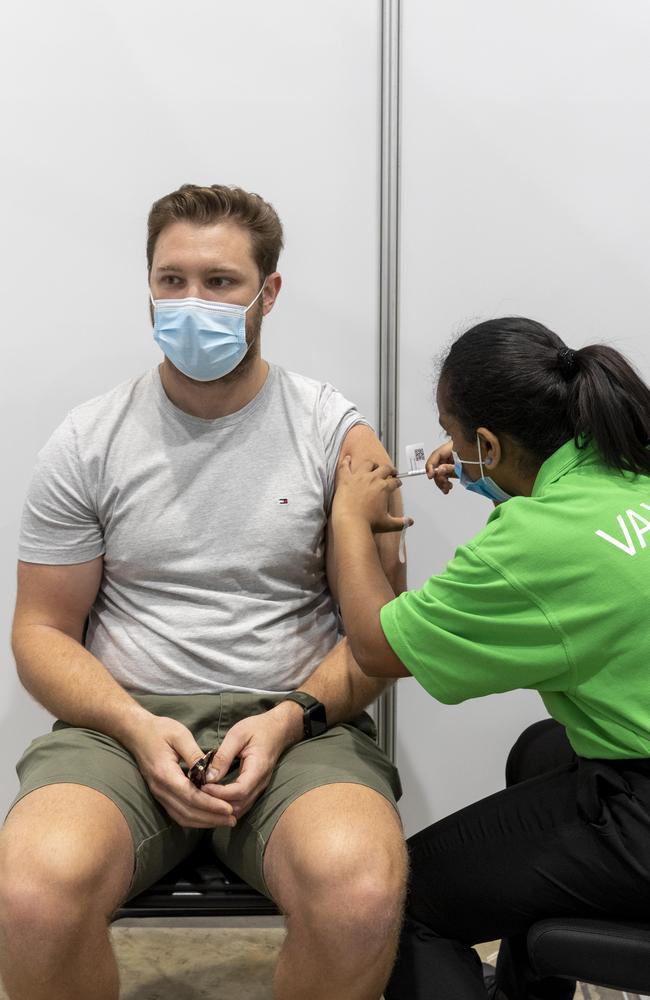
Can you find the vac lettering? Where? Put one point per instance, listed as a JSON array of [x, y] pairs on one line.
[[641, 526]]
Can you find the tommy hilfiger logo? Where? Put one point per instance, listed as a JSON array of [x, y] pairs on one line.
[[283, 500]]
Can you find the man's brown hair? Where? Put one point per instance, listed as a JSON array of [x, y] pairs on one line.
[[219, 203]]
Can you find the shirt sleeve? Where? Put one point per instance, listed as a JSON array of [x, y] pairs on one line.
[[470, 632], [59, 523], [336, 416]]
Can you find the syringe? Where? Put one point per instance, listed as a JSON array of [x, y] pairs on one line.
[[413, 472]]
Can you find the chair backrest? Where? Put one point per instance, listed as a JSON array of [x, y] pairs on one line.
[[606, 953]]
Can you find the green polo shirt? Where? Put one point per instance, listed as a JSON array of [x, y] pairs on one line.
[[554, 595]]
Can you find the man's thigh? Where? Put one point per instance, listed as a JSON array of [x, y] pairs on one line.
[[345, 756], [71, 756]]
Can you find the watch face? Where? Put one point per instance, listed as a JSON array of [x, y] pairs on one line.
[[317, 719], [314, 716]]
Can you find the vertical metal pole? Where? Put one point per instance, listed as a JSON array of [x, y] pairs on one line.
[[389, 283]]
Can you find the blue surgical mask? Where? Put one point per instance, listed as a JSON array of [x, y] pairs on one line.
[[485, 486], [203, 339]]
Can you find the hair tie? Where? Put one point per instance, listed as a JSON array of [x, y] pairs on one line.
[[567, 362]]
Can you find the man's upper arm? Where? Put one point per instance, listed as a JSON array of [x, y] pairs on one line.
[[362, 443], [57, 596]]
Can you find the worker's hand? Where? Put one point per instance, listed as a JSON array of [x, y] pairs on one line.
[[258, 741], [159, 748], [440, 466], [365, 493]]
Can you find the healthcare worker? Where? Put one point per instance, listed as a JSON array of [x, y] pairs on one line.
[[554, 595]]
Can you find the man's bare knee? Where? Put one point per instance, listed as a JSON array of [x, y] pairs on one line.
[[348, 884], [346, 874], [66, 855]]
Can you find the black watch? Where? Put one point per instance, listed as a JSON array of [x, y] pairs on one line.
[[314, 717]]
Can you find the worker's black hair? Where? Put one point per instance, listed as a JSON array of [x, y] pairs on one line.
[[516, 377]]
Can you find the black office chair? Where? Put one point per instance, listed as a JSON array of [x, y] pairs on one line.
[[198, 887], [602, 952]]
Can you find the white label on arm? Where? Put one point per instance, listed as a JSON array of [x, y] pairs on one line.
[[415, 457]]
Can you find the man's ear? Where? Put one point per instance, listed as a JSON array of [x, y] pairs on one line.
[[490, 447], [272, 286]]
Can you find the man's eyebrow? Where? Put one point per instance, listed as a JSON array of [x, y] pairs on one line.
[[224, 269]]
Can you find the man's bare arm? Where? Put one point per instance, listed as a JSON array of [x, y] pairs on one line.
[[338, 682], [362, 444], [52, 605], [51, 609]]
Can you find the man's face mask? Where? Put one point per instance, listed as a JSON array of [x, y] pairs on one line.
[[484, 486], [203, 339]]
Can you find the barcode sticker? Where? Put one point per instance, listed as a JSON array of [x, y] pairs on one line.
[[415, 457]]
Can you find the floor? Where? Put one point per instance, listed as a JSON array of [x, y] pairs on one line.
[[229, 959]]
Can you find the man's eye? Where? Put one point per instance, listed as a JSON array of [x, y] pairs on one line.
[[218, 282], [170, 279]]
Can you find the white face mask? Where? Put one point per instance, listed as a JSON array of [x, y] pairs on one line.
[[203, 339], [485, 486]]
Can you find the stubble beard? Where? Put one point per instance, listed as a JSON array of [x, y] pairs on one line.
[[253, 330]]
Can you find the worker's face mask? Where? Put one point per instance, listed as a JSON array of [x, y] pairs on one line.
[[203, 339], [485, 487]]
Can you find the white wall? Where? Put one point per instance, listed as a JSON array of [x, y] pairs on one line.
[[525, 166], [107, 106]]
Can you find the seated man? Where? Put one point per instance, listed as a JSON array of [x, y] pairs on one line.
[[183, 514]]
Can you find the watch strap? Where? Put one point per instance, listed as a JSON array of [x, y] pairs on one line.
[[314, 717]]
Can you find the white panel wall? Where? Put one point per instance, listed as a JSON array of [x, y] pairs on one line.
[[105, 107], [525, 166], [525, 163]]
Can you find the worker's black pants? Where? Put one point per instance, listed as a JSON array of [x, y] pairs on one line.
[[567, 837]]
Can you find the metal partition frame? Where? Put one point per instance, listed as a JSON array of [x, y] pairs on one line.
[[389, 283]]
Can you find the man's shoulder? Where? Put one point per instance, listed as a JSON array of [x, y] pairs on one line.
[[302, 385], [110, 404], [308, 391]]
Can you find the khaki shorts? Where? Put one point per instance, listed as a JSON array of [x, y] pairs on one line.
[[345, 753]]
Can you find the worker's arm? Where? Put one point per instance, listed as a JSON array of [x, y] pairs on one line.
[[364, 506]]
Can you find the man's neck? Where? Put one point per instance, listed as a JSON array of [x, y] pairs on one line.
[[210, 400]]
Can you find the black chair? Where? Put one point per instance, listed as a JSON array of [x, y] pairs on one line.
[[602, 952], [198, 887]]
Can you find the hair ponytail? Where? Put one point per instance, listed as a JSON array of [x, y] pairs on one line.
[[518, 378], [610, 405]]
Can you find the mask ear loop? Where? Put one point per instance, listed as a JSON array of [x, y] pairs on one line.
[[488, 461], [480, 460], [257, 296]]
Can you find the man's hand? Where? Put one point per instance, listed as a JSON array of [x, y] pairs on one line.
[[158, 749], [365, 494], [258, 741]]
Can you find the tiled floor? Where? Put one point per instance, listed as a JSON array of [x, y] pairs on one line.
[[205, 963], [187, 964]]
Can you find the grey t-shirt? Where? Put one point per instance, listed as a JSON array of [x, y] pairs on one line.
[[212, 532]]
